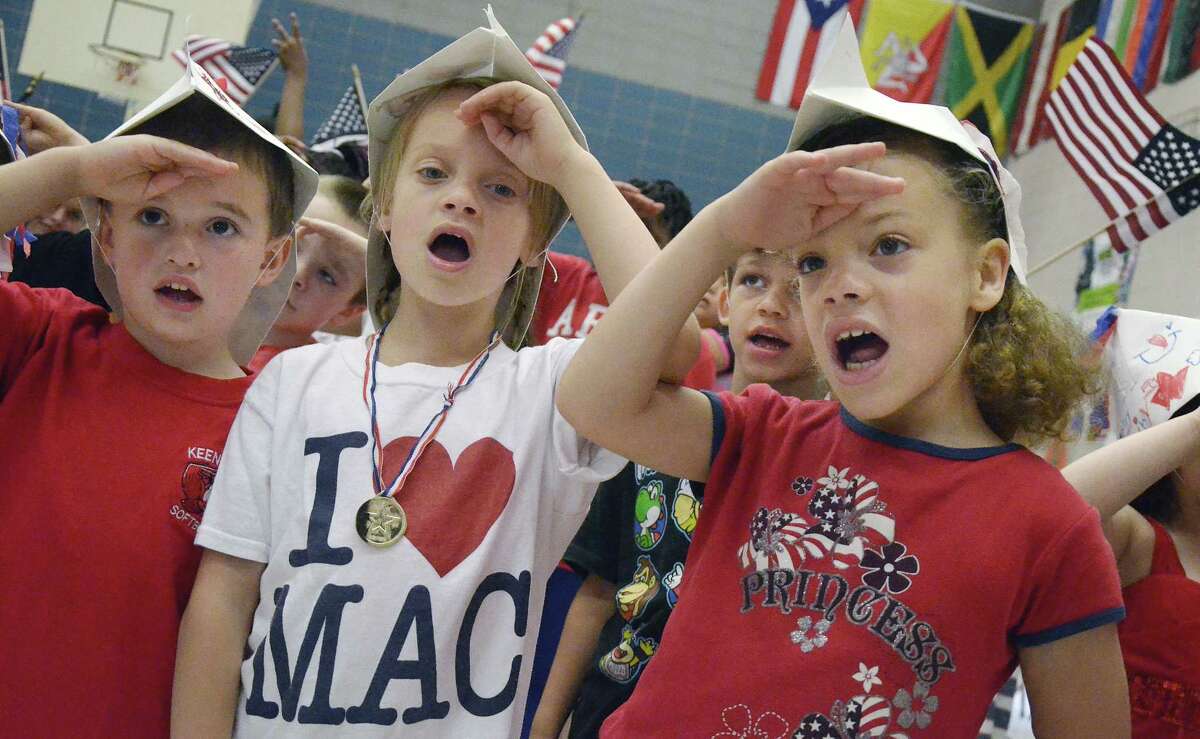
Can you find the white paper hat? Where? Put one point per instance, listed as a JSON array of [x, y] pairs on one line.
[[265, 302], [1153, 360], [484, 52], [839, 91]]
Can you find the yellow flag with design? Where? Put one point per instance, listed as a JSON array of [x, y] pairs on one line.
[[902, 44]]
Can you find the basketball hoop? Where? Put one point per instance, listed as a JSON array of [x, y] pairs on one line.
[[126, 64]]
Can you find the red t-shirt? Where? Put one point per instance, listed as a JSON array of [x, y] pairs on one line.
[[846, 582], [572, 305], [264, 354], [105, 466]]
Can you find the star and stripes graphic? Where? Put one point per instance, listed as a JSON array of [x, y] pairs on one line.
[[347, 124], [241, 68], [1144, 172], [548, 54]]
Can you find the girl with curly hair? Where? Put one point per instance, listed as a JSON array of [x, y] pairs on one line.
[[875, 565]]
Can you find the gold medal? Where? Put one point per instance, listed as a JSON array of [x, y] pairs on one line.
[[381, 521]]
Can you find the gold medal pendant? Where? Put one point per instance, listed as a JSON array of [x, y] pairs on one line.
[[381, 521]]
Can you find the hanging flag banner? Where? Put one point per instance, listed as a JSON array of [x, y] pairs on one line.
[[1060, 41], [903, 42], [802, 35], [985, 70], [1183, 45]]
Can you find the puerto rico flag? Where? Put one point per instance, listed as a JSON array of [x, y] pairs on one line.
[[801, 36]]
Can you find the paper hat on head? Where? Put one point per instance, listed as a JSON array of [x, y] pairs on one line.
[[1154, 360], [265, 301], [839, 92], [484, 52]]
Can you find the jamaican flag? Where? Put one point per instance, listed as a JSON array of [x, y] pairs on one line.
[[984, 70]]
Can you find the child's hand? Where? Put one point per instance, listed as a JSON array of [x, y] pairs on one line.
[[341, 238], [43, 130], [290, 47], [525, 126], [137, 168], [645, 207], [799, 194]]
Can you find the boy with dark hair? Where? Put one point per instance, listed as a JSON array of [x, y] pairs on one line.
[[116, 427]]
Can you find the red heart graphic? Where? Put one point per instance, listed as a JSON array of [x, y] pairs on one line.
[[451, 506]]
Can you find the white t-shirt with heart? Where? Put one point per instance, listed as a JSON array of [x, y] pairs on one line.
[[435, 635]]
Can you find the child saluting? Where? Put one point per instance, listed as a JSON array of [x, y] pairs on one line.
[[114, 429], [388, 511], [878, 565]]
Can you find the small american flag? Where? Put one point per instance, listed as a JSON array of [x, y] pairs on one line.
[[548, 55], [347, 125], [241, 67], [1141, 169]]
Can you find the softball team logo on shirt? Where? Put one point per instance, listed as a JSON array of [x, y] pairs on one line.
[[846, 528], [195, 484]]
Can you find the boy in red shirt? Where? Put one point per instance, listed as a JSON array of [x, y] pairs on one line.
[[115, 426]]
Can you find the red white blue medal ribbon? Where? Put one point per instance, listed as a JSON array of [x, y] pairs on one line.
[[431, 429]]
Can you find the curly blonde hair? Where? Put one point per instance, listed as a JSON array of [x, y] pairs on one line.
[[514, 311], [1025, 361]]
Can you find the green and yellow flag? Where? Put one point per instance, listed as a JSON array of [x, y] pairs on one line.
[[985, 69]]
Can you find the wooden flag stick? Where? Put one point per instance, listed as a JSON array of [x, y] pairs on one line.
[[358, 89]]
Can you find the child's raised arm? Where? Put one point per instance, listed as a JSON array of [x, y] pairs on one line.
[[525, 126], [124, 168], [611, 394], [1111, 477]]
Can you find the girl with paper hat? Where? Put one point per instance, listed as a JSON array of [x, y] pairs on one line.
[[408, 496], [875, 566], [114, 428], [1146, 486]]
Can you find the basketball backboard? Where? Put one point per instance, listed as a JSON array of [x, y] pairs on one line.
[[94, 44]]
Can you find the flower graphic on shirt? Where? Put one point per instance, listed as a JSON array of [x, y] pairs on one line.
[[915, 707], [739, 723], [835, 479], [889, 567], [816, 640], [802, 485], [868, 676]]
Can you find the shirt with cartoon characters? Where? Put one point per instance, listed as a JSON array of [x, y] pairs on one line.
[[636, 536], [434, 635], [845, 582], [107, 460]]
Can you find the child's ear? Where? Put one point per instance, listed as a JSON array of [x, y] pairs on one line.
[[103, 236], [383, 217], [274, 258], [991, 265], [345, 315], [723, 305]]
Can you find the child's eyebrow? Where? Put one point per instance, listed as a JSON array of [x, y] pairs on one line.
[[884, 215], [235, 210]]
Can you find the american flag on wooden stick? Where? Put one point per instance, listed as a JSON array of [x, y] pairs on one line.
[[347, 125], [242, 68], [1144, 172], [548, 55]]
